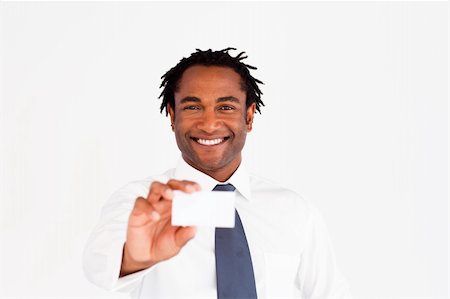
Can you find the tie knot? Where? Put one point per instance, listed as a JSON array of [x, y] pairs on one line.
[[224, 187]]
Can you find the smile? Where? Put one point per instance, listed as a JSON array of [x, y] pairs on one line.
[[209, 142]]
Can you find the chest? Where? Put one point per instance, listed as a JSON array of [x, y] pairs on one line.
[[275, 244]]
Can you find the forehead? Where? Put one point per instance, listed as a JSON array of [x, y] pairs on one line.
[[199, 77]]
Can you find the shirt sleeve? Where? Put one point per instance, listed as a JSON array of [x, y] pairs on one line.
[[102, 256], [318, 274]]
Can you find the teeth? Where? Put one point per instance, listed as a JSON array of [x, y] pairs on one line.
[[210, 142]]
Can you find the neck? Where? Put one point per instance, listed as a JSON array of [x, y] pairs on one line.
[[221, 174]]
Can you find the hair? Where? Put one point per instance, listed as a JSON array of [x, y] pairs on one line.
[[171, 78]]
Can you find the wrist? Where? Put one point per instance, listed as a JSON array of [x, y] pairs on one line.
[[129, 265]]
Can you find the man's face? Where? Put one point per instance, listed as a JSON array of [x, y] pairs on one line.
[[211, 120]]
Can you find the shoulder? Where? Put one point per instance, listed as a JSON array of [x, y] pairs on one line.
[[128, 193], [144, 184], [264, 189], [266, 185]]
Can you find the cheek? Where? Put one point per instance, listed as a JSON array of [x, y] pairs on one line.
[[241, 132]]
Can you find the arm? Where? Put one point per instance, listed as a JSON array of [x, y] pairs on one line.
[[134, 234], [318, 275]]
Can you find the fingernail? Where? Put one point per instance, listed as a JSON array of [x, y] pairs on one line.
[[155, 216], [169, 193], [190, 188]]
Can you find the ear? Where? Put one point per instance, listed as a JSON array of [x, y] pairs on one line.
[[172, 116], [249, 116]]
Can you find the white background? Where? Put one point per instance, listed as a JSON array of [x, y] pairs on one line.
[[356, 119]]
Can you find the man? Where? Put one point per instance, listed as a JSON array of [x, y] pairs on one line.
[[279, 246]]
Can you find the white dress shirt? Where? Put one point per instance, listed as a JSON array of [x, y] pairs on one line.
[[289, 244]]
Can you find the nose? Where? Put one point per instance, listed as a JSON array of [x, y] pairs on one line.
[[209, 121]]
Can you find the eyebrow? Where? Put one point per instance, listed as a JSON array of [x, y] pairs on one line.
[[227, 99], [190, 99]]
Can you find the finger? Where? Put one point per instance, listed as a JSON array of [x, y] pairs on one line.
[[164, 208], [159, 191], [143, 213], [184, 234], [186, 186]]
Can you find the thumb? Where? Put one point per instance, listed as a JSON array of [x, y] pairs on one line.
[[184, 234]]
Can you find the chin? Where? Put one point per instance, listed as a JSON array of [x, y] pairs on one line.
[[211, 165]]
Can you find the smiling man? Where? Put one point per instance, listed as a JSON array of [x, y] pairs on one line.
[[279, 246], [211, 120]]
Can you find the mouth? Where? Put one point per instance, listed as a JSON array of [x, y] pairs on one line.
[[210, 142]]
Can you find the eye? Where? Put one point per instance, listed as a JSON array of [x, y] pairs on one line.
[[226, 107], [193, 107]]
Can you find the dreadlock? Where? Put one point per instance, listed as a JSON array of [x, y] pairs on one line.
[[171, 79]]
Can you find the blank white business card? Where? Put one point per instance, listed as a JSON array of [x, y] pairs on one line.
[[205, 208]]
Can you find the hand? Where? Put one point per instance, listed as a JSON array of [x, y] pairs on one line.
[[150, 236]]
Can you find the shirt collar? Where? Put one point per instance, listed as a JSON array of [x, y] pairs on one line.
[[240, 178]]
